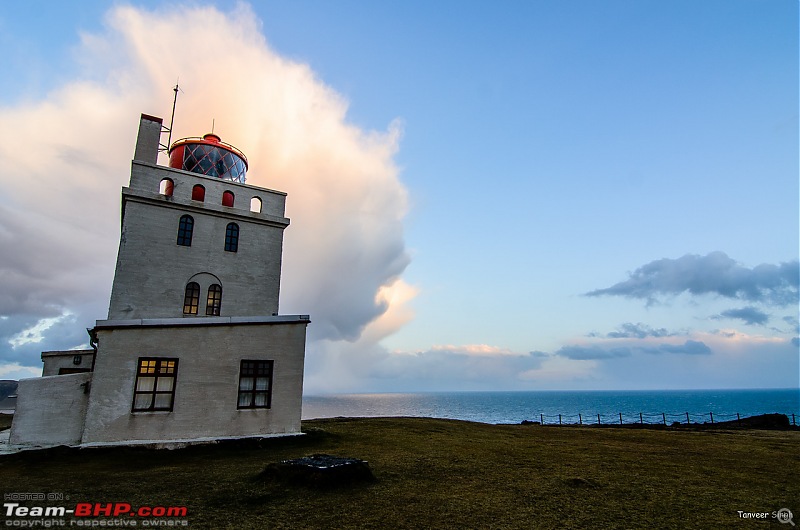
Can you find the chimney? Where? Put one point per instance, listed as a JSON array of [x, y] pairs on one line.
[[147, 142]]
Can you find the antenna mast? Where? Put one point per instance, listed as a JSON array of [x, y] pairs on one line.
[[172, 119], [164, 129]]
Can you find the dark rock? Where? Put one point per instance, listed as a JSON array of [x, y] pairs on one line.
[[319, 471], [579, 482], [764, 421]]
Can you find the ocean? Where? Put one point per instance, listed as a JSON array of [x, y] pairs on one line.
[[572, 406]]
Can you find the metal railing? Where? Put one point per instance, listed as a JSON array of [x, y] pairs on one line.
[[661, 418]]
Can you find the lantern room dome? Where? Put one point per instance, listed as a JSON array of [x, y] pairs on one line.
[[209, 156]]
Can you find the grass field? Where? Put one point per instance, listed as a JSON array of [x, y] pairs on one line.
[[447, 474]]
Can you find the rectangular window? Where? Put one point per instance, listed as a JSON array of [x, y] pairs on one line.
[[155, 384], [255, 385]]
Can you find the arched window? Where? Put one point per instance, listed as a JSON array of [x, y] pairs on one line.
[[255, 205], [165, 187], [227, 198], [232, 237], [185, 228], [198, 193], [191, 300], [214, 300]]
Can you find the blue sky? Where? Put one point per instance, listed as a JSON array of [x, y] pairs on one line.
[[645, 152]]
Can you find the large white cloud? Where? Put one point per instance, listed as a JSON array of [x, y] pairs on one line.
[[67, 156]]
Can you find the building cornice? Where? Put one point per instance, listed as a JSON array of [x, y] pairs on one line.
[[200, 321]]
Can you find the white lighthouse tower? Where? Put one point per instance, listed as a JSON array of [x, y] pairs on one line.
[[193, 347]]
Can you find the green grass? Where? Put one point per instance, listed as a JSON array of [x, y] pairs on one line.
[[447, 474]]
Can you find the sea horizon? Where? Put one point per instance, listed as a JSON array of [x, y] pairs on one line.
[[325, 394], [562, 406]]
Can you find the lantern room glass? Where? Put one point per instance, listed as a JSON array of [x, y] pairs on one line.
[[214, 162]]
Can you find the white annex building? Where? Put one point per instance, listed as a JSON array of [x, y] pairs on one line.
[[193, 348]]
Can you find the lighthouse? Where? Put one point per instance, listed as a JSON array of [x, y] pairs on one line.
[[193, 347]]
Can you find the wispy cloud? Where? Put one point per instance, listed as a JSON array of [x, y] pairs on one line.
[[793, 322], [714, 273], [475, 350], [690, 347], [750, 315], [15, 371], [629, 330], [587, 352], [36, 333]]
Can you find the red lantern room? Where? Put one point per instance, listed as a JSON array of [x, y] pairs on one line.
[[209, 156]]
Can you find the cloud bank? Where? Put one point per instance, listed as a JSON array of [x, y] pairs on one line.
[[599, 351], [714, 273], [469, 367], [344, 252]]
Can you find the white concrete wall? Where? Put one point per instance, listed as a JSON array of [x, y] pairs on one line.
[[152, 270], [207, 382], [55, 360], [50, 410]]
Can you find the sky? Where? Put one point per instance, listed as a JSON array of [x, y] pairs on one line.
[[517, 196]]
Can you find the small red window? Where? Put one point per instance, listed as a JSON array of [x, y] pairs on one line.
[[198, 193], [227, 199]]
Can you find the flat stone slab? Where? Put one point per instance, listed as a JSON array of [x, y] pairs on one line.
[[320, 470]]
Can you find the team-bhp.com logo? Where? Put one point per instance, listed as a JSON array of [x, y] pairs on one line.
[[87, 514]]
